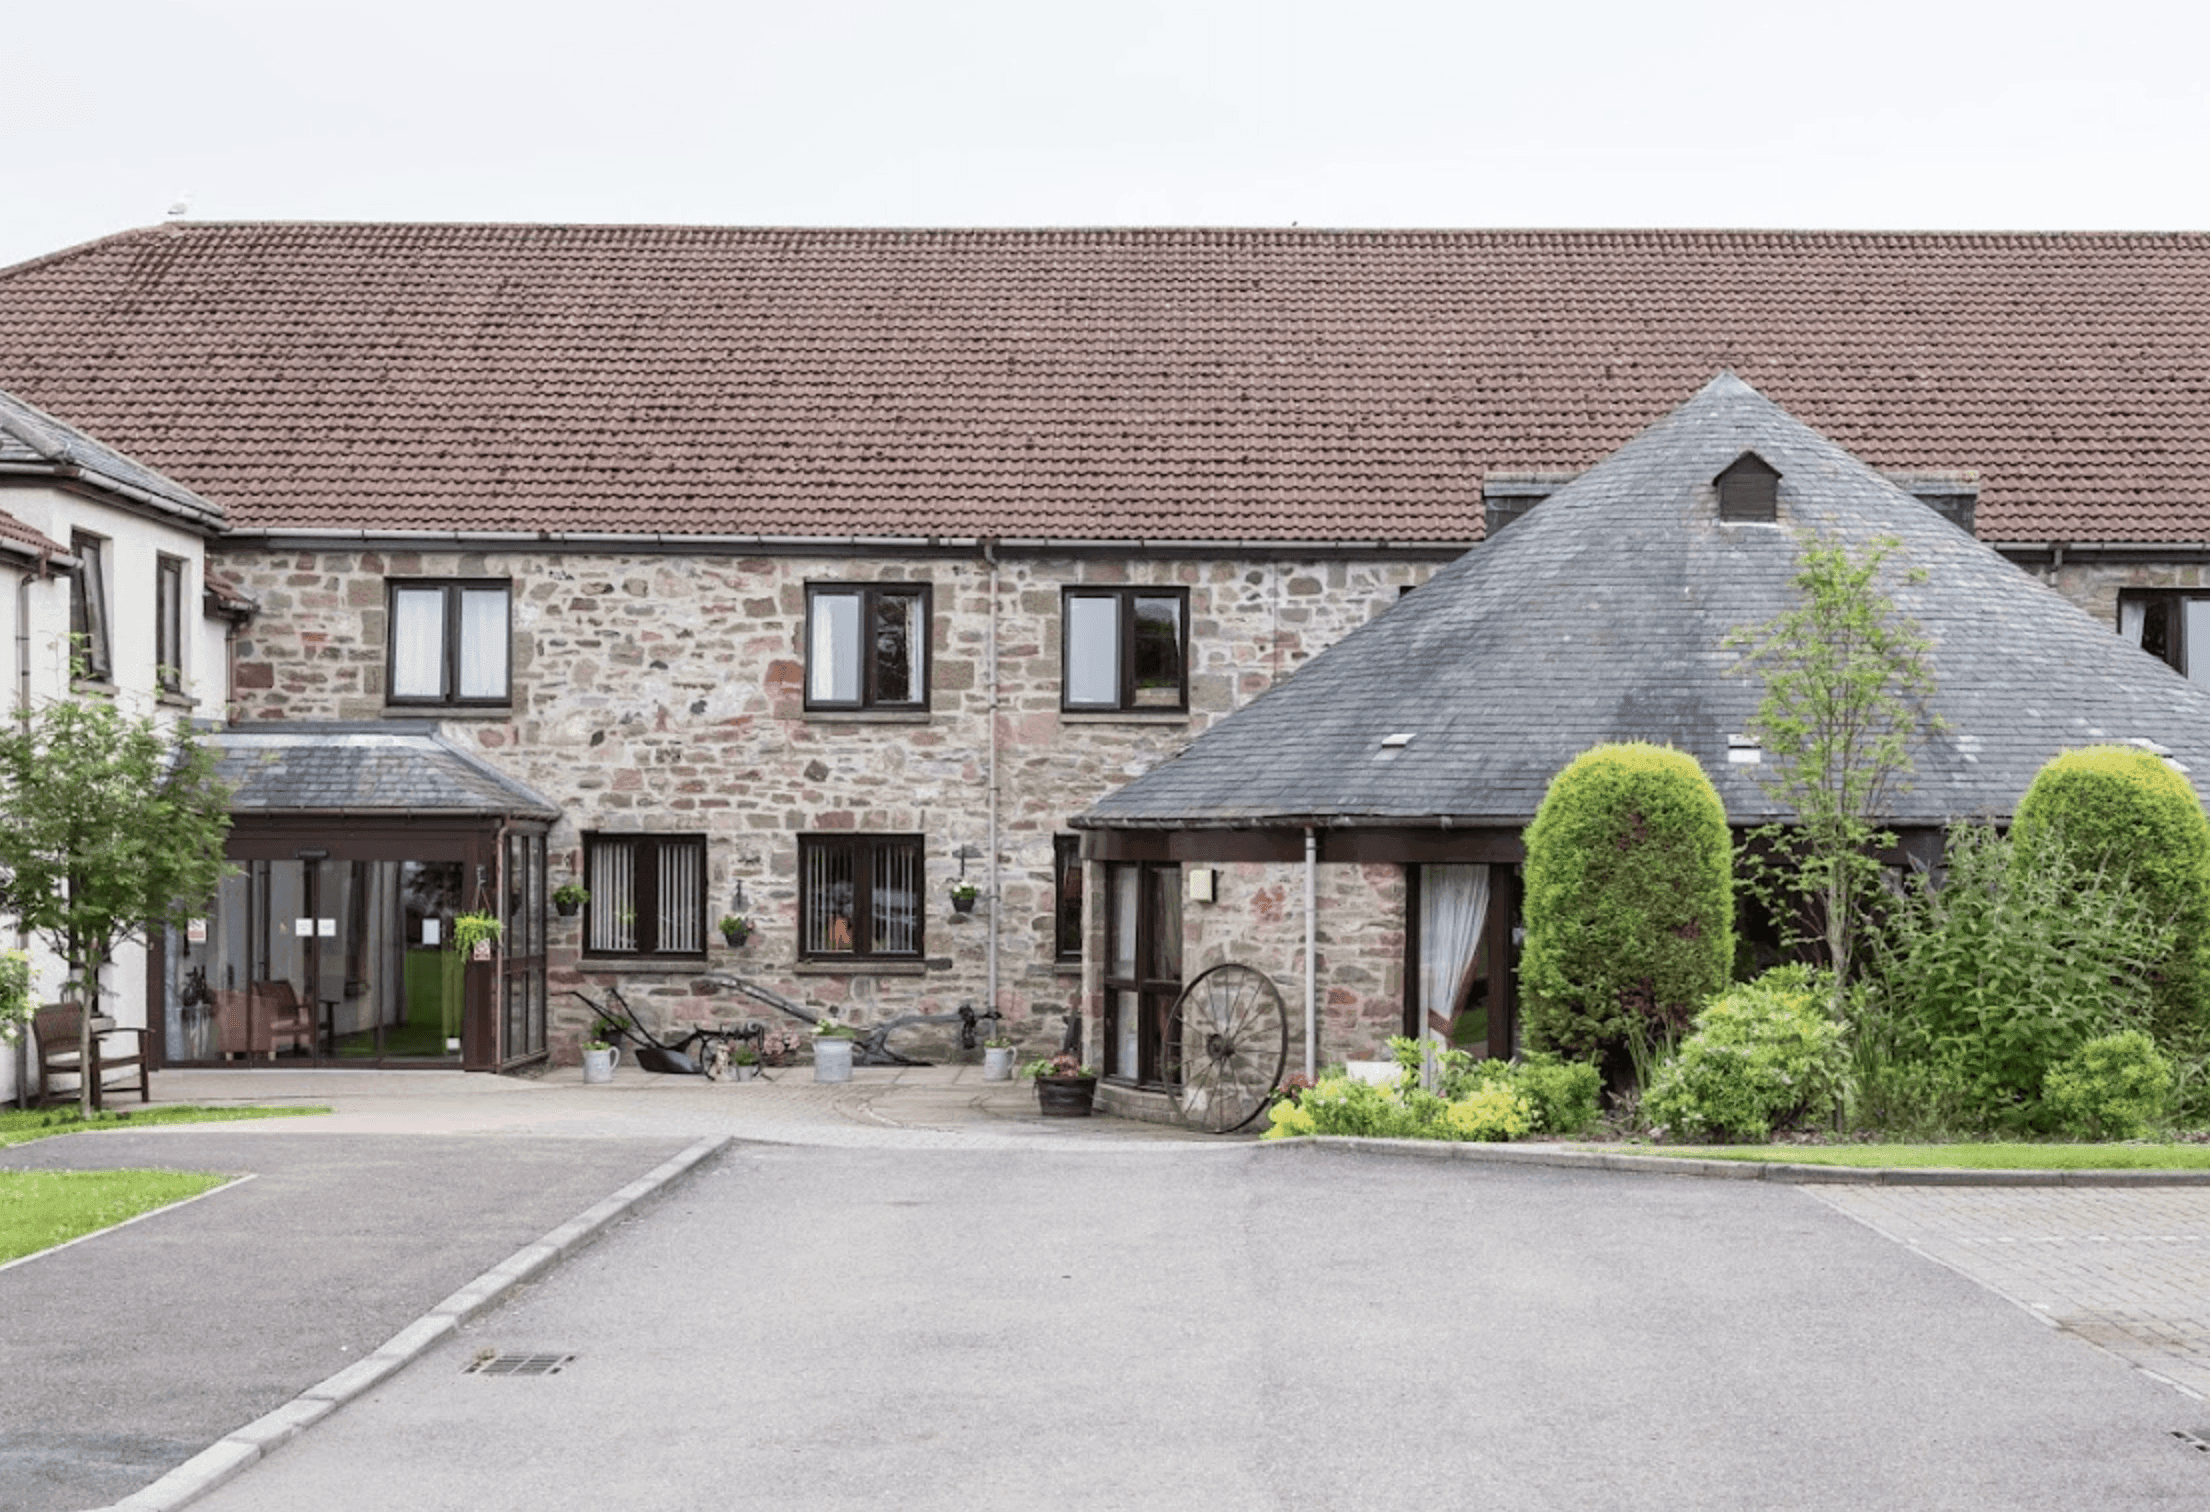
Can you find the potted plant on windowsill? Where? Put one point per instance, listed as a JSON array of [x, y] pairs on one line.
[[569, 897], [1065, 1088], [735, 929], [832, 1048], [997, 1058], [963, 897]]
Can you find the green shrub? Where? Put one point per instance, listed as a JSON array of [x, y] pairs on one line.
[[1629, 904], [1492, 1110], [1764, 1054], [2012, 962], [1562, 1095], [2122, 809], [2115, 1087]]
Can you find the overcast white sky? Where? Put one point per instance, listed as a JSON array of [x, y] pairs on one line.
[[1920, 115]]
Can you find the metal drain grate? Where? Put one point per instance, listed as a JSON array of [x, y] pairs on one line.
[[492, 1363], [2191, 1440]]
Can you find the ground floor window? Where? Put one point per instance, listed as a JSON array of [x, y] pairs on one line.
[[1066, 892], [859, 897], [1462, 947], [1143, 971], [648, 894]]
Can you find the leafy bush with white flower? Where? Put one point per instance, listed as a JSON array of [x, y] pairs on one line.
[[1764, 1055]]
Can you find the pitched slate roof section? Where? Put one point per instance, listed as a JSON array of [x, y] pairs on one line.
[[1161, 385], [382, 769], [34, 444], [1603, 616]]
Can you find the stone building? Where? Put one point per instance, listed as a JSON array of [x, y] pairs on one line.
[[803, 574], [1403, 764]]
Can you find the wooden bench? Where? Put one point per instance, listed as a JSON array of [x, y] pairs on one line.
[[57, 1029]]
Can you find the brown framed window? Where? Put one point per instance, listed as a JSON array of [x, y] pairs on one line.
[[168, 625], [1124, 649], [1066, 893], [449, 643], [1143, 971], [88, 609], [2174, 627], [859, 897], [867, 645], [648, 894]]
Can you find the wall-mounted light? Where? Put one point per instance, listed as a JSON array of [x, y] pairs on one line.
[[1204, 884]]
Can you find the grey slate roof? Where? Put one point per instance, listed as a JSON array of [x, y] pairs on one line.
[[34, 443], [389, 768], [1601, 616]]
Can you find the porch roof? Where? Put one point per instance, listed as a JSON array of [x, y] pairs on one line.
[[1603, 616], [391, 768]]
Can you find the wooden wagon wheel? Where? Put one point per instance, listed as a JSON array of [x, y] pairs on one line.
[[1233, 1037]]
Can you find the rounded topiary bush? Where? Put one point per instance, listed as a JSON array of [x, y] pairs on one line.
[[1764, 1055], [2116, 1087], [2122, 810], [1629, 904]]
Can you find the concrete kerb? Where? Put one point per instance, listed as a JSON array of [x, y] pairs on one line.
[[225, 1458], [1791, 1173]]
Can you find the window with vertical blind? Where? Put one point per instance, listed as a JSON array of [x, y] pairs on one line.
[[449, 643], [648, 894], [859, 897]]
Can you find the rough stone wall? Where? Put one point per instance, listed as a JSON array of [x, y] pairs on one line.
[[665, 693], [2093, 583], [1259, 921]]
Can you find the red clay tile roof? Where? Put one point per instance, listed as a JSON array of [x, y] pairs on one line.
[[19, 539], [1160, 384]]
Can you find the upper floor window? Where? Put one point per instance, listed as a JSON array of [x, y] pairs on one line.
[[867, 646], [648, 894], [859, 895], [2173, 626], [91, 647], [1126, 648], [449, 642], [168, 625]]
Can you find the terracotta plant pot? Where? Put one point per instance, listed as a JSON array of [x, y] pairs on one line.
[[1065, 1096]]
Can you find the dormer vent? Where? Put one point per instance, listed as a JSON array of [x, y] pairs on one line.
[[1749, 491]]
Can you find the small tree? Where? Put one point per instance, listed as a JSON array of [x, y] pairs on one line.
[[113, 827], [1847, 692], [2123, 810], [1630, 904]]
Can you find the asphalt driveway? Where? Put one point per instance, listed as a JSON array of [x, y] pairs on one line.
[[1231, 1328], [134, 1350]]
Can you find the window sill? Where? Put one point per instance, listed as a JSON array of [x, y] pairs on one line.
[[858, 967], [97, 687], [1124, 716], [176, 701], [868, 716], [448, 711], [665, 965]]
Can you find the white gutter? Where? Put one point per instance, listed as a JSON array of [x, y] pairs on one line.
[[1312, 938]]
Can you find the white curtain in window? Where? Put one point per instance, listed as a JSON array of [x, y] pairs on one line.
[[1454, 904], [483, 622], [832, 646], [1093, 651], [2133, 615], [418, 643]]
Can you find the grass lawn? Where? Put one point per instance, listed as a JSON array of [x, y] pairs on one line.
[[21, 1126], [40, 1209], [1975, 1157]]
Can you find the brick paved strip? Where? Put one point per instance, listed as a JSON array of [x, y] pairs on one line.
[[2125, 1270]]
